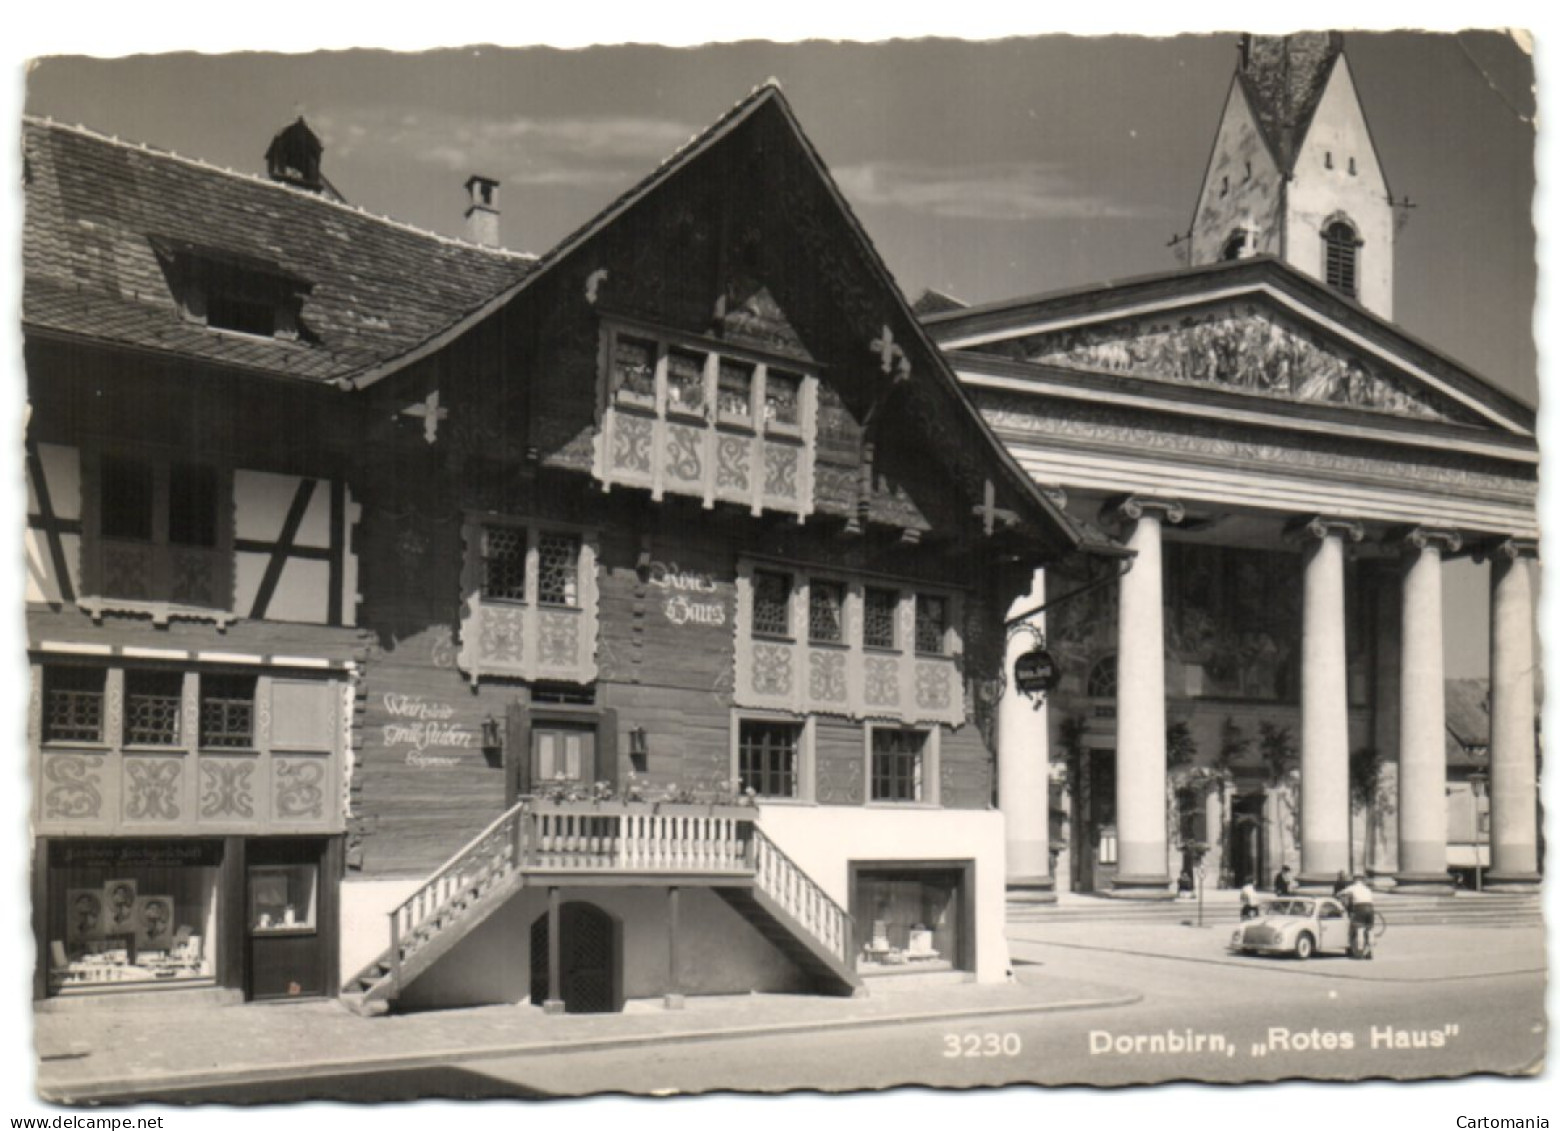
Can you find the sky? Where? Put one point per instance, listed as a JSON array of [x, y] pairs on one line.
[[984, 169]]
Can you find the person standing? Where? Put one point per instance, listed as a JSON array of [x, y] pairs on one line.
[[1361, 902], [1284, 882], [1248, 899]]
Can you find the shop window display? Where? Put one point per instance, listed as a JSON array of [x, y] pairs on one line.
[[908, 919], [131, 916], [282, 898]]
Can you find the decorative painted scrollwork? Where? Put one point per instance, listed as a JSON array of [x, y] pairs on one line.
[[73, 790], [299, 787], [226, 789], [152, 789]]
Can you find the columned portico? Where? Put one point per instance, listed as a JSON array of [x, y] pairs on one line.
[[1023, 762], [1422, 714], [1513, 751], [1140, 705], [1324, 704]]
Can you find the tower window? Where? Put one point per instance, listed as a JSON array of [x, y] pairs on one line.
[[1224, 187], [1329, 159], [1234, 246], [1352, 169], [1341, 251]]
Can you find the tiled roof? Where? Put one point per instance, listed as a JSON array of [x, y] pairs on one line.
[[1284, 77], [1467, 719], [377, 288]]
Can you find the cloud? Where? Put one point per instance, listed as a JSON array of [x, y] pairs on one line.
[[519, 149], [1007, 190]]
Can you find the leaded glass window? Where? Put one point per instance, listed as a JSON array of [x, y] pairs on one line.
[[503, 562], [826, 612], [685, 381], [898, 764], [154, 706], [558, 569], [73, 704], [633, 369], [771, 604], [767, 757], [227, 711], [880, 618], [931, 623], [735, 391], [782, 398]]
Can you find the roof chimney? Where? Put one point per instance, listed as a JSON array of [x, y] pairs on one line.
[[294, 157], [482, 211]]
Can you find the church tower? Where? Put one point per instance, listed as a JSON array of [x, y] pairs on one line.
[[1294, 172]]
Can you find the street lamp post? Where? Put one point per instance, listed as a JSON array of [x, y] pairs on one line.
[[1478, 781]]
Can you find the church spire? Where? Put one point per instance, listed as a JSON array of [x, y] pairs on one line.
[[1294, 172]]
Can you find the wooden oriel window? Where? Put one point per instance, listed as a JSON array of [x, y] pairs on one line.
[[531, 601]]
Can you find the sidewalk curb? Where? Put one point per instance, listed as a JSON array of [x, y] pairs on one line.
[[1305, 973], [109, 1089]]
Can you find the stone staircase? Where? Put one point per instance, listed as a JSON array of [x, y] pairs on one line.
[[556, 844]]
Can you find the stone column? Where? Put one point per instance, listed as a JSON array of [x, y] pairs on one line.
[[1513, 749], [1324, 705], [1422, 715], [1140, 708], [1024, 763]]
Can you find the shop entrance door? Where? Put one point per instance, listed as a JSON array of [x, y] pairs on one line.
[[286, 942], [591, 968], [1248, 861], [1095, 847]]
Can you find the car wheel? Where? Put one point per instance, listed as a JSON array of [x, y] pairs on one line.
[[1305, 946]]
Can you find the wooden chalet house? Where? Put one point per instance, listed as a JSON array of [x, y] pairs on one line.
[[658, 585]]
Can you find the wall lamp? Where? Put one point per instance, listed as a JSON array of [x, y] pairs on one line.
[[492, 735]]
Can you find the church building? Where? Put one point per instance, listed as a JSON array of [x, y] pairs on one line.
[[1264, 684]]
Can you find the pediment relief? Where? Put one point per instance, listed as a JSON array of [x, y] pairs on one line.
[[1239, 347]]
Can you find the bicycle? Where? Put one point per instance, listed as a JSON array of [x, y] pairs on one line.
[[1372, 934]]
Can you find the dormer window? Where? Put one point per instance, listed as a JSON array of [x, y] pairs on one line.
[[234, 292], [1341, 257]]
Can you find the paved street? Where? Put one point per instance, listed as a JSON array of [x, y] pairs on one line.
[[1439, 1001]]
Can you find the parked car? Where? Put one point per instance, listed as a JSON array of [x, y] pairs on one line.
[[1299, 925]]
